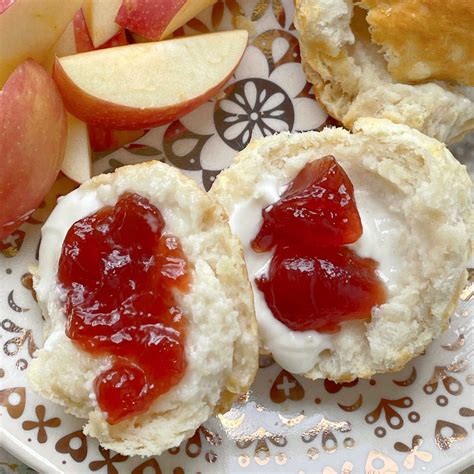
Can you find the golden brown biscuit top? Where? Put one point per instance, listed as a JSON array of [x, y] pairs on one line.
[[425, 39]]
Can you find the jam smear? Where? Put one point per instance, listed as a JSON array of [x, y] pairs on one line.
[[317, 208], [314, 282], [320, 288], [120, 272]]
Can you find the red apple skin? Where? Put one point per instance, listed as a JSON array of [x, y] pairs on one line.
[[107, 114], [105, 139], [4, 4], [148, 18], [83, 39], [81, 33], [32, 142]]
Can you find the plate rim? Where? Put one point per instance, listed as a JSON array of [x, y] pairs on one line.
[[33, 459]]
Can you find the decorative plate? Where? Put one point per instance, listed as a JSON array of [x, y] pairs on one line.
[[417, 420]]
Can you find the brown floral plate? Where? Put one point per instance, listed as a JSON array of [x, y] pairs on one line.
[[419, 420]]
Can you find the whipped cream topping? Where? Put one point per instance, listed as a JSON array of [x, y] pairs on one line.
[[300, 351], [69, 209]]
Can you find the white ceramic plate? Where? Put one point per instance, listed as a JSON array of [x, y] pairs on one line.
[[418, 420]]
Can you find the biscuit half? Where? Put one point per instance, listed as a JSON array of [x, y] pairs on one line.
[[425, 195], [351, 77], [221, 344]]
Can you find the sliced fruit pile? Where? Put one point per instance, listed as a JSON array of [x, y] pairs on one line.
[[314, 281], [81, 53]]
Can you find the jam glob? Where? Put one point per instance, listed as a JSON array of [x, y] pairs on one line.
[[314, 282], [119, 271], [317, 208]]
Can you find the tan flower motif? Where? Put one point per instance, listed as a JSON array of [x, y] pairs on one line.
[[41, 424], [413, 452], [108, 461], [393, 418]]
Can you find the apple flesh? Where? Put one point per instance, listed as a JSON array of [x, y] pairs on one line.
[[30, 28], [84, 41], [150, 84], [77, 164], [32, 141], [100, 18], [157, 19]]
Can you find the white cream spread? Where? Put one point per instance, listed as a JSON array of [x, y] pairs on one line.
[[75, 206], [71, 208], [299, 351]]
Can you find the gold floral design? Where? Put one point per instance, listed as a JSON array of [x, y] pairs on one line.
[[64, 445], [454, 434], [12, 346], [389, 465], [442, 374], [408, 381], [277, 7], [265, 445], [327, 428], [345, 469], [261, 437], [41, 424], [414, 452], [108, 461], [7, 400], [456, 345], [151, 466], [286, 387], [12, 304], [10, 246], [355, 406], [194, 444], [193, 447], [392, 417]]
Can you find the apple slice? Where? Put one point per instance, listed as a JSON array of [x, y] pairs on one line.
[[66, 44], [29, 29], [149, 84], [157, 19], [100, 18], [77, 164], [84, 41], [76, 39], [102, 139], [32, 142]]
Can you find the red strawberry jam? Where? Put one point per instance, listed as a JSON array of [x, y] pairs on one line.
[[120, 272], [314, 281], [317, 208], [320, 288]]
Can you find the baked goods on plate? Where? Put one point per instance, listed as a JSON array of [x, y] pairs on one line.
[[390, 60], [356, 244], [150, 326]]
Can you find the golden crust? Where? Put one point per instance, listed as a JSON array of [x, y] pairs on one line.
[[351, 79], [425, 39]]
